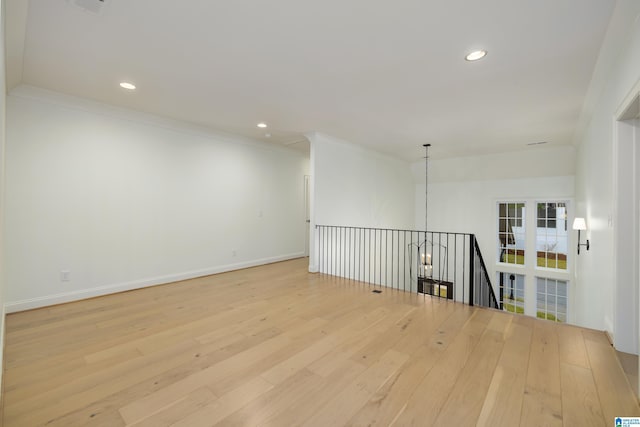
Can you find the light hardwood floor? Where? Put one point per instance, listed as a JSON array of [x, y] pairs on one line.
[[629, 363], [278, 346]]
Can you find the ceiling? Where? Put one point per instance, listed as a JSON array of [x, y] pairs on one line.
[[390, 75]]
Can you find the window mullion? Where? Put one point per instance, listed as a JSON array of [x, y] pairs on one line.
[[530, 259]]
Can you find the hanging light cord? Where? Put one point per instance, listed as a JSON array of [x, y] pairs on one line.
[[426, 188]]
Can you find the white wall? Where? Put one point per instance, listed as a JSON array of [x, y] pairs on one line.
[[461, 189], [3, 109], [359, 187], [538, 161], [617, 72], [353, 186], [123, 200]]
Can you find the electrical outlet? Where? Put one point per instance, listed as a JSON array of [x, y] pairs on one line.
[[65, 275]]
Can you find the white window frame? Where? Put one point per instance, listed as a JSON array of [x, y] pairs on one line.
[[570, 255], [524, 219], [547, 279], [506, 289], [530, 268]]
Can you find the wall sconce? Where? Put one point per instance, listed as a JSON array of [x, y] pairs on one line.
[[580, 224]]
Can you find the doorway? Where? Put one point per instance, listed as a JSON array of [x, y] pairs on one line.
[[307, 213]]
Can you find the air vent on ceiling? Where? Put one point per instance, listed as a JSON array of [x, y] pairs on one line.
[[91, 6]]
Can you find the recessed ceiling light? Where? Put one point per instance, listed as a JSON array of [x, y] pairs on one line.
[[128, 86], [262, 125], [475, 55]]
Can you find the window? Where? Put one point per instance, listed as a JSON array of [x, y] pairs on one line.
[[511, 291], [533, 282], [551, 299], [551, 235], [511, 233], [547, 215]]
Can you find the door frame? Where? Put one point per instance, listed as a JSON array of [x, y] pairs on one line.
[[626, 224]]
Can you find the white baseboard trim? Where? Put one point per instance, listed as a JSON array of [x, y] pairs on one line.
[[608, 328], [609, 337], [44, 301]]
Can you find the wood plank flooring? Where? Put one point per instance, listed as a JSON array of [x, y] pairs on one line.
[[277, 346], [629, 363]]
